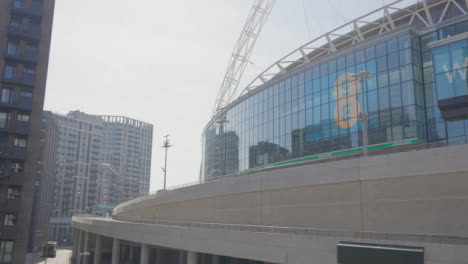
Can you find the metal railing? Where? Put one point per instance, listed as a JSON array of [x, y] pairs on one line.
[[29, 55], [31, 31], [26, 79], [35, 9], [356, 234]]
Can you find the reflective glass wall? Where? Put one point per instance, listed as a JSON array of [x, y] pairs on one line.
[[317, 109], [445, 70]]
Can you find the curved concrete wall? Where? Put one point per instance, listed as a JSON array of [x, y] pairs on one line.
[[420, 191]]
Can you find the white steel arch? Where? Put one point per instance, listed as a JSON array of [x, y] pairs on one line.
[[371, 24], [242, 52]]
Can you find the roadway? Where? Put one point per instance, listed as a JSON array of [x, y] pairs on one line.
[[63, 257]]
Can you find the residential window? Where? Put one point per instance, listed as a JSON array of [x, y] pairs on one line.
[[12, 48], [14, 192], [6, 251], [17, 167], [20, 142], [31, 46], [4, 120], [23, 117], [15, 25], [10, 220], [18, 4], [10, 71], [6, 96], [26, 94], [29, 71]]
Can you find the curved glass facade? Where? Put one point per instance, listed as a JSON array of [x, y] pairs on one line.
[[317, 109]]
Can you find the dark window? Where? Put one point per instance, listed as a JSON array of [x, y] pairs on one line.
[[14, 192], [6, 251], [18, 4], [17, 167], [6, 96], [10, 71], [15, 25], [4, 120], [12, 48], [9, 220]]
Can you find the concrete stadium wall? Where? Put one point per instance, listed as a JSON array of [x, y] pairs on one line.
[[316, 247], [421, 191]]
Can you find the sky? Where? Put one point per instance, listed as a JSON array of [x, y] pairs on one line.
[[163, 61]]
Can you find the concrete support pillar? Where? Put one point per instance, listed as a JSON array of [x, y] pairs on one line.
[[215, 259], [78, 248], [159, 256], [116, 251], [98, 250], [76, 234], [86, 248], [182, 257], [144, 254], [191, 257], [131, 252]]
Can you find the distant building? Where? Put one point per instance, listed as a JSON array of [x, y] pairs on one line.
[[45, 182], [102, 161], [25, 34], [127, 148]]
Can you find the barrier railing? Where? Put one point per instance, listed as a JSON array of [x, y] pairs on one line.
[[433, 238]]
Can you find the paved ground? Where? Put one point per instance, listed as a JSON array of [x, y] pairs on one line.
[[63, 255]]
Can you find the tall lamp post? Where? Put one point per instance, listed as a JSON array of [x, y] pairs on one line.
[[165, 146], [222, 120], [364, 115]]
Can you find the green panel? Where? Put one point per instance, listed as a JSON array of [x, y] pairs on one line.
[[330, 154], [371, 254]]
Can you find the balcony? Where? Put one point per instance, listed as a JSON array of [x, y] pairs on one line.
[[10, 177], [8, 233], [28, 56], [35, 10], [10, 205], [24, 104], [28, 80], [31, 32], [20, 128], [13, 152]]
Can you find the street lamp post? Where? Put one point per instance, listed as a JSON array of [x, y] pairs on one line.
[[364, 115], [166, 146], [222, 120]]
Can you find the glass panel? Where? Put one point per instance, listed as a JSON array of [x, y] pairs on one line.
[[395, 95], [393, 60], [360, 57], [384, 102], [441, 59], [381, 49], [383, 79], [459, 54], [405, 57], [444, 86], [408, 93], [394, 76], [370, 53], [3, 120], [404, 42], [392, 45], [6, 96], [381, 64]]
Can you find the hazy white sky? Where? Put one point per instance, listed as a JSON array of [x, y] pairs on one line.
[[163, 61]]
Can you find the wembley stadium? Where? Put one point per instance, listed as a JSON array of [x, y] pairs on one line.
[[350, 149]]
